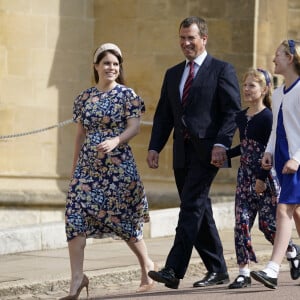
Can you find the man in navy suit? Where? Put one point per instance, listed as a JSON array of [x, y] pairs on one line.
[[203, 126]]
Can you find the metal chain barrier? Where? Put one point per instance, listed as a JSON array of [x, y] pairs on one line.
[[60, 124]]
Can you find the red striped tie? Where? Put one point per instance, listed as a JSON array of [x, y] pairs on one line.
[[188, 83]]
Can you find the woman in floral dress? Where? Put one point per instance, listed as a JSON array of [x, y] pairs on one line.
[[106, 195]]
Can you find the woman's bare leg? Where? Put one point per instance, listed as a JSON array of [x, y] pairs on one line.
[[296, 217], [284, 219], [76, 253], [140, 250]]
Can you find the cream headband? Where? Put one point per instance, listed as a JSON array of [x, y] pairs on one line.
[[104, 47]]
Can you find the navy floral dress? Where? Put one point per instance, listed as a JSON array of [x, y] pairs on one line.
[[106, 195], [254, 133]]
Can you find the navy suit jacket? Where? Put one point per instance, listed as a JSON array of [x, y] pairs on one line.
[[209, 115]]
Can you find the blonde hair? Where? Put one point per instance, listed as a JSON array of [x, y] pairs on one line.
[[264, 79], [292, 47]]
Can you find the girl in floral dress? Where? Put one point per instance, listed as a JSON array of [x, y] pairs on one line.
[[257, 190], [106, 195]]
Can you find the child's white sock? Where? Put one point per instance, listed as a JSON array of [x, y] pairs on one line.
[[272, 269], [244, 272]]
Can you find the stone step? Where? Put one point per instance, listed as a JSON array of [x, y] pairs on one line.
[[51, 235]]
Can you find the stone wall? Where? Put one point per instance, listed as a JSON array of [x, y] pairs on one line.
[[45, 61], [147, 32], [45, 48]]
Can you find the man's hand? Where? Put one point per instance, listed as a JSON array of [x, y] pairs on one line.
[[218, 156], [152, 159]]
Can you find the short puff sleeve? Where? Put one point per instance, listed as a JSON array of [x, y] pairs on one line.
[[135, 105], [79, 105]]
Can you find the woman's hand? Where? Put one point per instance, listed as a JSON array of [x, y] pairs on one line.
[[290, 167], [108, 145]]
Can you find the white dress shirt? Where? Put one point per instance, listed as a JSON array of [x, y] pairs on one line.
[[198, 62]]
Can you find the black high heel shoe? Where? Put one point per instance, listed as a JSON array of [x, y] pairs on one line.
[[84, 283]]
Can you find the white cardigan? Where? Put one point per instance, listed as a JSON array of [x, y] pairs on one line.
[[291, 119]]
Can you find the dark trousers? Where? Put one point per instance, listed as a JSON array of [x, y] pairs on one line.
[[196, 225]]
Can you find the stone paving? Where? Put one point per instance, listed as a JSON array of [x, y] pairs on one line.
[[110, 266]]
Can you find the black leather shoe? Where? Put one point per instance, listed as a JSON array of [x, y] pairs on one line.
[[240, 282], [166, 276], [212, 278], [295, 270], [263, 278]]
